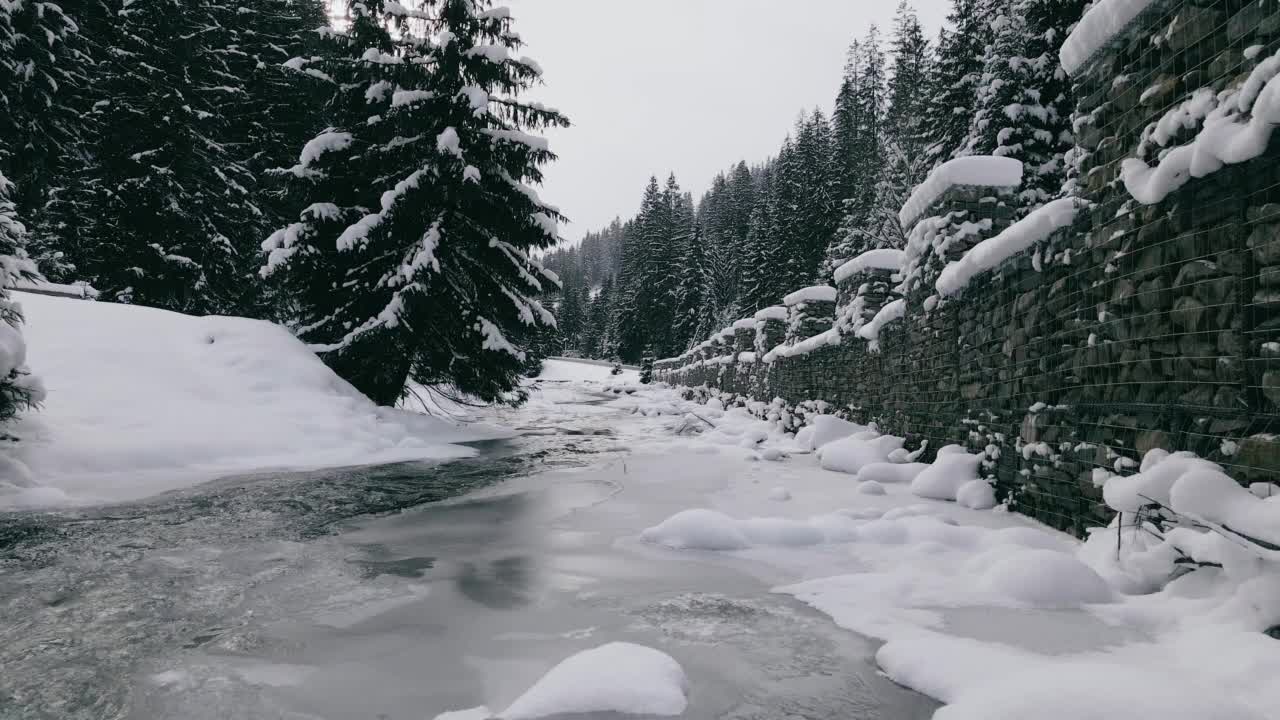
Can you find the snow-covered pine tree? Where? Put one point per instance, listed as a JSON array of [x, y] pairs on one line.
[[629, 321], [758, 286], [909, 67], [864, 97], [43, 80], [41, 72], [411, 257], [19, 390], [1023, 103], [570, 318], [901, 145], [1050, 99], [158, 210], [602, 340], [692, 297], [956, 74]]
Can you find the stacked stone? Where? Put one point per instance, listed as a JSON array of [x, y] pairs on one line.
[[931, 402], [1175, 355]]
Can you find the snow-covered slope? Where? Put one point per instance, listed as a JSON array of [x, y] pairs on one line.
[[143, 400]]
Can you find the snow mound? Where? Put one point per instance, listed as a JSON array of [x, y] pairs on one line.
[[982, 170], [618, 677], [870, 487], [891, 472], [944, 478], [828, 428], [976, 494], [141, 401], [697, 529], [779, 494], [1045, 579], [851, 454]]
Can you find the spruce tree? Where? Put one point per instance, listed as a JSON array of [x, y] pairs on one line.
[[570, 318], [18, 389], [956, 76], [159, 211], [867, 100], [692, 298], [437, 283], [42, 66]]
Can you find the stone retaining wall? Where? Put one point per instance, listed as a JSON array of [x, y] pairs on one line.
[[1145, 324]]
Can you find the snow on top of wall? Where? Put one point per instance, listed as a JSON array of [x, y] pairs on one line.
[[815, 293], [982, 170], [1102, 22], [1016, 238], [882, 259], [745, 324], [870, 332], [1224, 139], [804, 347], [775, 312]]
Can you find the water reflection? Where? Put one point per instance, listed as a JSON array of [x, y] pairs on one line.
[[503, 584]]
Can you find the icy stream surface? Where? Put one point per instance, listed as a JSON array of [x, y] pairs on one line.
[[409, 590]]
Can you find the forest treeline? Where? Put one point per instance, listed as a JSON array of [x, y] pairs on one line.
[[362, 172], [988, 83]]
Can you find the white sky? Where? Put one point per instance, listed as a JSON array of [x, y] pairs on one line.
[[689, 86]]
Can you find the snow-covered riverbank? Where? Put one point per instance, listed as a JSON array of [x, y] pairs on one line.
[[982, 609], [141, 401]]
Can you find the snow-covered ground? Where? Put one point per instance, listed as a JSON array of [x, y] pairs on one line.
[[141, 401], [987, 611]]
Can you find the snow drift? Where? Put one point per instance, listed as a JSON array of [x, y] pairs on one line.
[[142, 400]]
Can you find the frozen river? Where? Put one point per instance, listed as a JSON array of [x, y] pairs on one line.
[[405, 591]]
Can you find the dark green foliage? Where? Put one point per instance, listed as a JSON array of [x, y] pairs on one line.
[[411, 251]]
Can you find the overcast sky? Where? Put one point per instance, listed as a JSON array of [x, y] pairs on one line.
[[689, 86]]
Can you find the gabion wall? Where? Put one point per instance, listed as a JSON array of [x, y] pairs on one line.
[[1142, 326]]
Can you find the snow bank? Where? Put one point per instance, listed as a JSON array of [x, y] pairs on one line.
[[1017, 238], [870, 332], [142, 400], [881, 259], [982, 170], [618, 677], [944, 478], [1224, 139], [815, 293], [1102, 22], [560, 370]]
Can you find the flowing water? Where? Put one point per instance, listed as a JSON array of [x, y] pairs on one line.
[[399, 592]]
